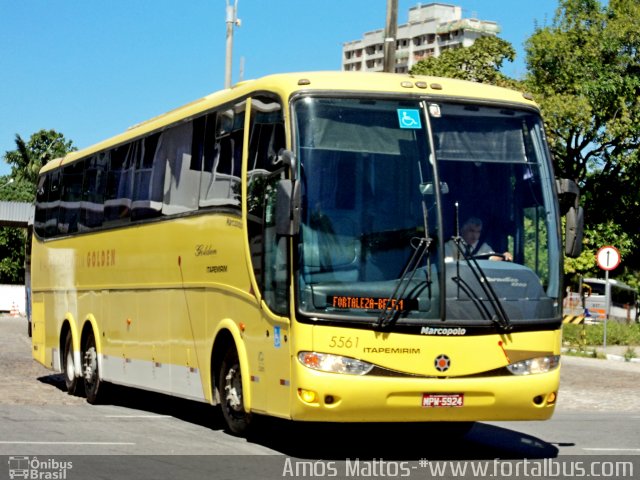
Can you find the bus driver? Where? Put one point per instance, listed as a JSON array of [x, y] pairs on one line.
[[470, 233]]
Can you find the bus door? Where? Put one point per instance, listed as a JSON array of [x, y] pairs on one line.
[[269, 258]]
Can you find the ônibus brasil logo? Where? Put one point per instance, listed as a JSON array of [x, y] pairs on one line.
[[33, 468]]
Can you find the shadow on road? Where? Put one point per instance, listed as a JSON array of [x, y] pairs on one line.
[[56, 380], [335, 441], [399, 441]]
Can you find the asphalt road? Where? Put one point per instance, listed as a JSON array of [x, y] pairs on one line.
[[145, 435]]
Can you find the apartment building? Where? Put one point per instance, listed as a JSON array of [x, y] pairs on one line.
[[431, 29]]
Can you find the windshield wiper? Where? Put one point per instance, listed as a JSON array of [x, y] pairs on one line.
[[500, 317], [391, 310]]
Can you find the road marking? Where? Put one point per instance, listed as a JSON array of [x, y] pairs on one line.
[[138, 416], [21, 442], [612, 449]]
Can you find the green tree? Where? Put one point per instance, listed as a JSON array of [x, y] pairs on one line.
[[26, 160], [12, 243], [584, 71], [481, 62], [29, 156]]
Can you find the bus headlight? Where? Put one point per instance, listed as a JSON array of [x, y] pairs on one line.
[[327, 362], [535, 365]]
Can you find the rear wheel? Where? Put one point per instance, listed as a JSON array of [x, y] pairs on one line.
[[231, 397], [91, 375], [68, 366]]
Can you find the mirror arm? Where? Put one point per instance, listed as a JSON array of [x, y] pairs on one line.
[[287, 157]]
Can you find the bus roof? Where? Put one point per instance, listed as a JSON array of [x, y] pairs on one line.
[[602, 281], [287, 84]]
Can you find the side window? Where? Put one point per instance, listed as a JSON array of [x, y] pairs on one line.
[[53, 205], [197, 143], [117, 205], [42, 205], [214, 188], [180, 182], [95, 182], [148, 183], [38, 224], [266, 137], [268, 251], [222, 162], [192, 165], [71, 196]]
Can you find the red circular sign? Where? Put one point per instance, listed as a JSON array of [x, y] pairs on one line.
[[608, 258]]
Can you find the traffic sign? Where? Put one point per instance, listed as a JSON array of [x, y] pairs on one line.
[[608, 258]]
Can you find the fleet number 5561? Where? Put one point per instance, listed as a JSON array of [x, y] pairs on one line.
[[343, 342]]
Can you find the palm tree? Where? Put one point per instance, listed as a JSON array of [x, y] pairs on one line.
[[29, 156]]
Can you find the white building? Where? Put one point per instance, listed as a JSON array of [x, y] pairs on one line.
[[430, 30]]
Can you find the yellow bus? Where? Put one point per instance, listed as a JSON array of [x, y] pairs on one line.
[[296, 246]]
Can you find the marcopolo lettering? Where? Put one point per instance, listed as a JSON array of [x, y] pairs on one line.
[[443, 331]]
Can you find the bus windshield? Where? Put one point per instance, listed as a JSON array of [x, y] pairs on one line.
[[384, 178]]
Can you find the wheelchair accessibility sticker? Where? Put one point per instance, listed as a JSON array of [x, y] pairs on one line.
[[276, 337], [409, 118]]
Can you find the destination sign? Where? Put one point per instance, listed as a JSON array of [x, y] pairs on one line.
[[371, 303]]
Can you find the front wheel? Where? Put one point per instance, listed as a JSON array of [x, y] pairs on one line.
[[231, 398], [91, 375]]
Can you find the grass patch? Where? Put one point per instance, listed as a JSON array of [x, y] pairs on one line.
[[579, 336], [584, 352]]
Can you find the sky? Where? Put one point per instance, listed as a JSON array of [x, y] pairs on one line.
[[90, 69]]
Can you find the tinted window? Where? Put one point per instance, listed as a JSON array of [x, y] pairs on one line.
[[117, 206], [71, 196], [148, 183], [181, 183], [95, 182]]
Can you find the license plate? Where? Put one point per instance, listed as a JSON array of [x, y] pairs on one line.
[[435, 400]]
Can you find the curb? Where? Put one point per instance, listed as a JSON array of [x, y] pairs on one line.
[[620, 358], [609, 356]]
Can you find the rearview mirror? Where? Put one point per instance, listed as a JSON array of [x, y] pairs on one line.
[[574, 229], [569, 200], [428, 188]]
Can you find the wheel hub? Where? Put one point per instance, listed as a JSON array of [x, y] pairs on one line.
[[90, 364]]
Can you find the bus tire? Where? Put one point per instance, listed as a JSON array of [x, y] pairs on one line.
[[231, 398], [68, 366], [90, 372]]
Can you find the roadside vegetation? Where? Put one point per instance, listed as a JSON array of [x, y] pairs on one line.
[[582, 340]]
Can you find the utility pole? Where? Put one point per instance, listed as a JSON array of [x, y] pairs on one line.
[[232, 21], [390, 31]]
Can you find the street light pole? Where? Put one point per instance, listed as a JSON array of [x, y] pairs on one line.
[[232, 20], [390, 32]]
